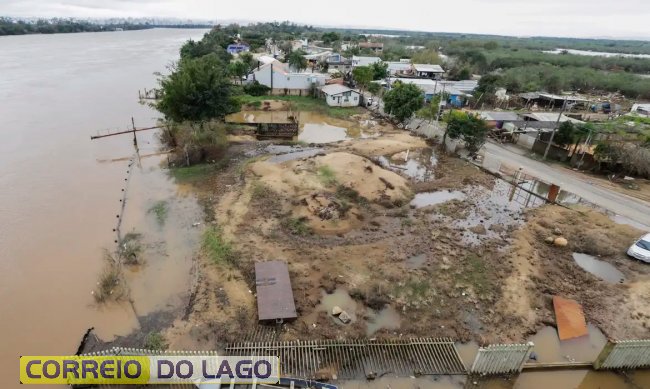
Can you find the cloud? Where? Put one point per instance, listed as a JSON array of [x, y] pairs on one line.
[[577, 18]]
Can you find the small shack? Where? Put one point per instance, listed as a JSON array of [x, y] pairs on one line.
[[275, 301]]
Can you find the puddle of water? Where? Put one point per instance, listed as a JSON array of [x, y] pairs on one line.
[[419, 165], [387, 318], [340, 298], [426, 199], [599, 268], [619, 219], [467, 352], [549, 347], [416, 261], [542, 189], [314, 127]]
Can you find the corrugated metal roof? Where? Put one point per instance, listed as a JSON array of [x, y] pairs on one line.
[[499, 116], [335, 89], [421, 67], [550, 117], [274, 293], [364, 61]]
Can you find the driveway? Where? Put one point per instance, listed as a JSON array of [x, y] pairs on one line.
[[618, 203]]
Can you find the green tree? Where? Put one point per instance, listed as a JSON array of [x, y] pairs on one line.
[[238, 69], [249, 60], [403, 100], [330, 37], [471, 129], [198, 89], [379, 70], [374, 88], [426, 56], [488, 84], [565, 135], [297, 60], [362, 76]]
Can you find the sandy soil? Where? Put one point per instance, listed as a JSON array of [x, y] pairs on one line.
[[473, 268]]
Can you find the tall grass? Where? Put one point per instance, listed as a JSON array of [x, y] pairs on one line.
[[217, 247]]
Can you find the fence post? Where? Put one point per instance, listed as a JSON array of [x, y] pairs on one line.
[[604, 353]]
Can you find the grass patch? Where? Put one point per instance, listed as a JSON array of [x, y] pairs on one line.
[[414, 289], [155, 341], [297, 226], [197, 172], [475, 273], [344, 193], [109, 286], [160, 210], [304, 103], [130, 248], [218, 249], [327, 175]]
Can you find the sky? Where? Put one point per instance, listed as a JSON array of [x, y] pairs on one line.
[[570, 18]]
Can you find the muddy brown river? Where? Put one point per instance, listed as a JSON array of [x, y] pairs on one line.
[[60, 191]]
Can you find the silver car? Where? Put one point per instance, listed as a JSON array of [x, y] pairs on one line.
[[641, 249]]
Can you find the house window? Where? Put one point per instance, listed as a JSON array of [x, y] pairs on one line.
[[355, 98], [347, 94], [333, 97]]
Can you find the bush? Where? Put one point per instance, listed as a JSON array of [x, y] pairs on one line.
[[256, 89]]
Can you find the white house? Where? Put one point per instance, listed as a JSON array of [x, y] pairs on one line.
[[337, 95], [396, 69], [364, 61], [434, 72], [277, 76]]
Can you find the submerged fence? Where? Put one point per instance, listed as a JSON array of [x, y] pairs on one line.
[[626, 354], [501, 359]]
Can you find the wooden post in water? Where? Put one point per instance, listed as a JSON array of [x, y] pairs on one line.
[[135, 138]]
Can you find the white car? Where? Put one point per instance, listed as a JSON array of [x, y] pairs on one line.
[[641, 249]]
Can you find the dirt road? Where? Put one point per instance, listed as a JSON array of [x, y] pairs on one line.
[[629, 207]]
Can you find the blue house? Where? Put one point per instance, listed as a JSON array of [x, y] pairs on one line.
[[236, 48]]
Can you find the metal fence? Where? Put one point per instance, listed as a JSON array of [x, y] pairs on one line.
[[625, 354], [350, 359], [501, 359]]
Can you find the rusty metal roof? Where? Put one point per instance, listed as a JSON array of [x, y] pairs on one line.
[[274, 293]]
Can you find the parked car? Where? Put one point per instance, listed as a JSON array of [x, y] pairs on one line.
[[641, 249]]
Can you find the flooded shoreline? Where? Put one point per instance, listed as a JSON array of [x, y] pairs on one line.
[[60, 191]]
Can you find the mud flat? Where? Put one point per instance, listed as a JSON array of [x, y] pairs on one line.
[[347, 218]]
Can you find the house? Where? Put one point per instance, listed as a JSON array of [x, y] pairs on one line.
[[364, 61], [456, 96], [433, 72], [397, 69], [282, 81], [544, 100], [337, 95], [549, 117], [337, 62], [428, 87], [236, 48], [275, 302], [498, 118], [376, 47]]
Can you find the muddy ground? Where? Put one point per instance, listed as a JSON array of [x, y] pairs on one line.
[[475, 267]]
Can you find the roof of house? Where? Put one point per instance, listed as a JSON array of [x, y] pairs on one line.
[[395, 66], [416, 81], [549, 117], [643, 107], [428, 68], [499, 116], [364, 61], [335, 89], [371, 44], [465, 85], [274, 294]]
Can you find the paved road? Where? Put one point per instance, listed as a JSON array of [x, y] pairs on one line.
[[621, 204]]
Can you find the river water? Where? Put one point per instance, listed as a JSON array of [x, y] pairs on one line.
[[60, 191]]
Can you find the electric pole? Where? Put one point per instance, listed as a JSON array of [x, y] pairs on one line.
[[557, 123]]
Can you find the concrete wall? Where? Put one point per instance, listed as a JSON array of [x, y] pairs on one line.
[[558, 153], [343, 101], [281, 80], [527, 140]]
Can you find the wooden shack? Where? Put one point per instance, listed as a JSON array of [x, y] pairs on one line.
[[275, 302]]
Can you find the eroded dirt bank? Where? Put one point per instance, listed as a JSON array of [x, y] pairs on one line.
[[407, 242]]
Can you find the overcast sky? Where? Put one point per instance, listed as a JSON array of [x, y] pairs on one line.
[[575, 18]]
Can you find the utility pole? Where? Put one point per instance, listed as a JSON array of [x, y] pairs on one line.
[[557, 123]]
